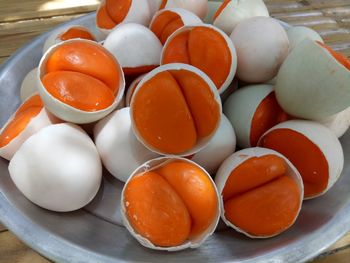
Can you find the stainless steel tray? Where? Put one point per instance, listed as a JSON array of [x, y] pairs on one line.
[[95, 234]]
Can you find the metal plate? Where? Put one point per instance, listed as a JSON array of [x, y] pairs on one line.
[[95, 236]]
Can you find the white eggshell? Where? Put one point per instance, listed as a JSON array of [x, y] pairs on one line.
[[58, 168], [29, 84], [238, 10], [131, 89], [311, 84], [65, 111], [230, 89], [297, 34], [54, 38], [219, 148], [198, 7], [40, 121], [230, 46], [154, 6], [240, 108], [134, 45], [338, 123], [178, 66], [238, 158], [325, 140], [262, 45], [195, 242], [120, 151]]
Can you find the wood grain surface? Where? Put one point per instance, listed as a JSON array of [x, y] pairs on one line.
[[21, 21]]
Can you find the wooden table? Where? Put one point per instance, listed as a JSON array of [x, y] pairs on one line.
[[20, 21]]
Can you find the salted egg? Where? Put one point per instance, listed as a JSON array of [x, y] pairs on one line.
[[261, 192], [131, 89], [177, 188], [57, 168]]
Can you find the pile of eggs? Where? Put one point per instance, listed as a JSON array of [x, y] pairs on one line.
[[161, 103]]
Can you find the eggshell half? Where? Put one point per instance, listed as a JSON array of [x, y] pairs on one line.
[[238, 10], [29, 84], [131, 89], [297, 34], [198, 7], [311, 84], [325, 140], [238, 158], [193, 243], [120, 151], [219, 148], [338, 123], [65, 111], [58, 168]]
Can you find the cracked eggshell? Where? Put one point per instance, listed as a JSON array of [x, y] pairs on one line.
[[222, 145], [54, 38], [325, 140], [139, 12], [193, 243], [338, 123], [198, 7], [131, 89], [134, 45], [58, 168], [312, 84], [178, 66], [29, 84], [238, 10], [297, 34], [229, 43], [240, 108], [65, 111], [262, 45], [119, 149], [238, 158]]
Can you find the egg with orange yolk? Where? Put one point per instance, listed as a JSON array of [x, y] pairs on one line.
[[312, 148], [136, 48], [261, 192], [175, 109], [313, 82], [66, 33], [232, 12], [262, 45], [120, 151], [167, 21], [29, 84], [252, 111], [29, 118], [57, 168], [205, 47], [175, 187], [80, 81], [131, 89], [111, 13]]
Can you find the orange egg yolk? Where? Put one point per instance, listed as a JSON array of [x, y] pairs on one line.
[[173, 110], [83, 73], [130, 71], [267, 115], [77, 33], [305, 156], [103, 20], [132, 90], [171, 204], [22, 117], [338, 56], [221, 8], [165, 24], [203, 48], [163, 4], [117, 10], [259, 198]]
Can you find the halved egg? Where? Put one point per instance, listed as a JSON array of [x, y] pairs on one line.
[[205, 47], [232, 12], [261, 192], [29, 84], [313, 82], [167, 21], [111, 13], [170, 204], [175, 109], [66, 33], [120, 151], [131, 89], [80, 81], [136, 48], [296, 35], [262, 45], [57, 168], [29, 118], [312, 148], [253, 110]]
